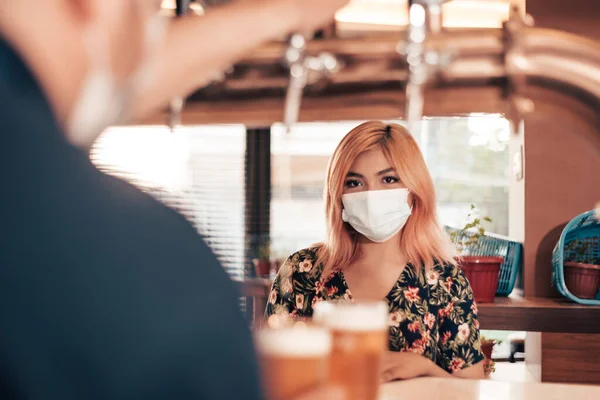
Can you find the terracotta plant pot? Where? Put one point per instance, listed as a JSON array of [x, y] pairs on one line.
[[482, 273], [582, 279], [262, 267]]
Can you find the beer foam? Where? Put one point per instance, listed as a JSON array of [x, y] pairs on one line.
[[360, 317], [294, 342]]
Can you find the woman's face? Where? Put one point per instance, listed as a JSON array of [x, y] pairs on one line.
[[371, 171]]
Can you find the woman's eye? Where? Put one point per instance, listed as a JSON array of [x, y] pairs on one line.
[[391, 179], [352, 183]]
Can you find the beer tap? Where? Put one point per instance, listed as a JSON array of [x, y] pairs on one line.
[[303, 70], [177, 103], [425, 17], [417, 74], [295, 59], [516, 62]]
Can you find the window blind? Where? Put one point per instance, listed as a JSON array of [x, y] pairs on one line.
[[197, 170]]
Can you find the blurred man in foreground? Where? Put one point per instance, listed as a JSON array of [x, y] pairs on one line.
[[104, 292]]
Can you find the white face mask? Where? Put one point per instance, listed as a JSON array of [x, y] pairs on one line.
[[102, 102], [377, 214]]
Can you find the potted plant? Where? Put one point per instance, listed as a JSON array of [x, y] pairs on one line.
[[487, 346], [582, 271], [482, 272]]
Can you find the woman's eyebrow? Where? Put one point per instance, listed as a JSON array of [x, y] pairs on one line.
[[354, 175], [386, 171]]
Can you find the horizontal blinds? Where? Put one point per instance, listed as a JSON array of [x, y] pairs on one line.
[[197, 170]]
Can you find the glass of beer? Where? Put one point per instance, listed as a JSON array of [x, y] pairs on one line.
[[294, 359], [360, 338]]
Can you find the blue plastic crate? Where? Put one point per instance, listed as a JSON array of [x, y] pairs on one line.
[[496, 245], [586, 227]]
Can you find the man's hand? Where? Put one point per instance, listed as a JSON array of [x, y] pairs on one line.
[[196, 48], [406, 365], [314, 14]]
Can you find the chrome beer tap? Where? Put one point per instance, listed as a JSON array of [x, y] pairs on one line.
[[425, 17], [295, 59], [303, 70]]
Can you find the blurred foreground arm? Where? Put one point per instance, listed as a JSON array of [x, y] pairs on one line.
[[198, 47]]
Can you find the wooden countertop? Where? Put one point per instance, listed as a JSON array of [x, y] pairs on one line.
[[463, 389], [558, 315], [513, 313]]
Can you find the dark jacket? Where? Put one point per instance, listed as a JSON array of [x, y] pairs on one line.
[[104, 292]]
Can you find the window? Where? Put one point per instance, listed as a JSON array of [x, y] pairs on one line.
[[298, 166], [198, 170], [469, 162], [467, 157]]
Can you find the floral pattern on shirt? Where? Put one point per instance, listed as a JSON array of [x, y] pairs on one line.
[[432, 313]]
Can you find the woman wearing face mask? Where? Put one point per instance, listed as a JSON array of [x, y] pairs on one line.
[[384, 242]]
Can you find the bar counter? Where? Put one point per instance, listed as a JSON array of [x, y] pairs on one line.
[[463, 389]]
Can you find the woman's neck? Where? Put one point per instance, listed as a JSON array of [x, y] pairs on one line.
[[386, 253]]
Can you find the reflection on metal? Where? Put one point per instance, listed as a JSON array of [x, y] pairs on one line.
[[303, 70], [516, 62]]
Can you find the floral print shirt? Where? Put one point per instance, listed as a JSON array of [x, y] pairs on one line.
[[431, 313]]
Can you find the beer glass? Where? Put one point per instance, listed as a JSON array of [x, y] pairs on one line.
[[359, 339], [294, 359]]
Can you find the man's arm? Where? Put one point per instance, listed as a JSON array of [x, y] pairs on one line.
[[198, 47]]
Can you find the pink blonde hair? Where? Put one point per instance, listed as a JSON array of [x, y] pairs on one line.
[[422, 240]]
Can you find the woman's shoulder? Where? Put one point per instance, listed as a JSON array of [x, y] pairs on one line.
[[305, 260], [309, 253]]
